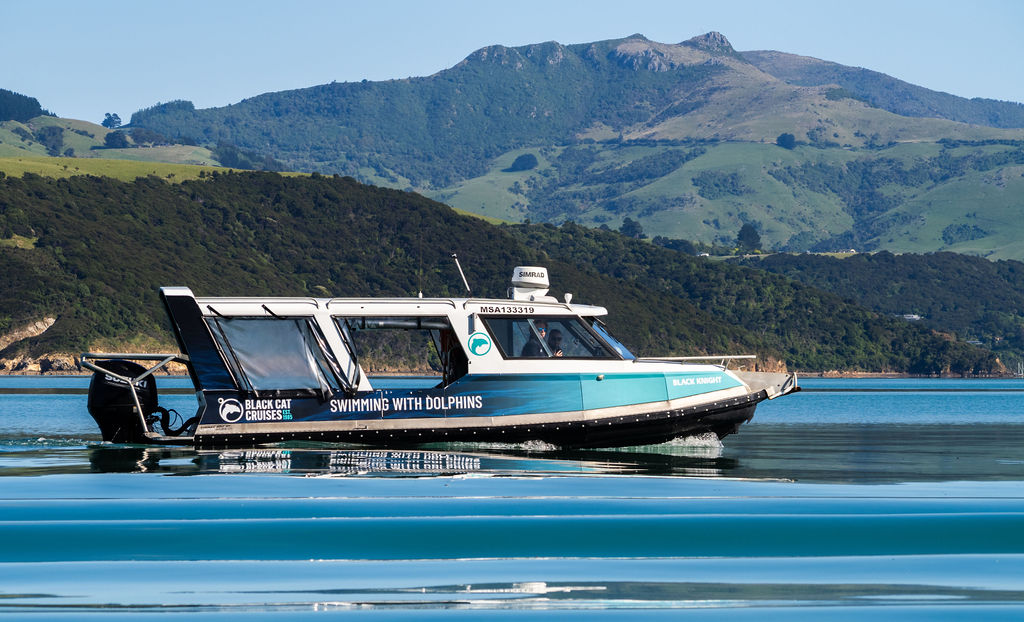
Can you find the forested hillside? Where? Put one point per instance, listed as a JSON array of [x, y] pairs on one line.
[[92, 251], [433, 131], [18, 107], [979, 300]]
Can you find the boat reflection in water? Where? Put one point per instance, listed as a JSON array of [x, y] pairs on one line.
[[340, 462], [687, 458], [825, 453]]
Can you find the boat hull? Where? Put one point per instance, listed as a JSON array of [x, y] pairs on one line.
[[721, 417]]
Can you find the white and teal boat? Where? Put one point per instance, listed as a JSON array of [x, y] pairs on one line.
[[526, 368]]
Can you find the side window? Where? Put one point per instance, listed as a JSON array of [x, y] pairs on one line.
[[546, 337], [570, 338], [276, 355], [517, 337], [420, 346]]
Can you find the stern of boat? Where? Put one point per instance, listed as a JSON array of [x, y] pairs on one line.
[[123, 399]]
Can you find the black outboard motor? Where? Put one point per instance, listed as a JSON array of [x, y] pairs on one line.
[[112, 406]]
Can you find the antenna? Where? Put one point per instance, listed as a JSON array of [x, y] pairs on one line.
[[461, 273]]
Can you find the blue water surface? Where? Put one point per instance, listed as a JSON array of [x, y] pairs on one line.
[[900, 401], [896, 499]]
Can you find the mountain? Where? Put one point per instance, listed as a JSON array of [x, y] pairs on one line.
[[83, 257], [433, 130], [886, 92], [682, 138]]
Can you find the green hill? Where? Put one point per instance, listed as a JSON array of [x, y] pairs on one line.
[[91, 252], [43, 136], [679, 137]]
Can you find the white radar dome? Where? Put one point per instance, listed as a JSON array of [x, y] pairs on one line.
[[530, 283]]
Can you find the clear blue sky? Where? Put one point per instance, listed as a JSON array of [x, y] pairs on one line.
[[83, 59]]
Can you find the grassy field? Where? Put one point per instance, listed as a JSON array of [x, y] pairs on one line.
[[990, 203], [935, 216], [86, 140], [81, 137], [13, 142], [677, 211], [171, 154], [18, 241], [489, 195], [125, 170]]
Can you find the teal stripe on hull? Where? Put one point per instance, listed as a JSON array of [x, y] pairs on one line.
[[549, 393]]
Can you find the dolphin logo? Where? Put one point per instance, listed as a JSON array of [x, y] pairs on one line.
[[479, 343], [230, 410]]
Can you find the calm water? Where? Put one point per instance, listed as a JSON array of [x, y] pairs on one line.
[[902, 499]]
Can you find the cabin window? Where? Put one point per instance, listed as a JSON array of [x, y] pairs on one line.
[[605, 334], [410, 345], [546, 337], [280, 355]]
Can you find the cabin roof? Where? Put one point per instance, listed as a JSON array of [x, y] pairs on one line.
[[409, 305]]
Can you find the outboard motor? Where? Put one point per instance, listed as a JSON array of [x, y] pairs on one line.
[[112, 406]]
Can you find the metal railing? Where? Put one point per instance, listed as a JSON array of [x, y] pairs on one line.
[[723, 359]]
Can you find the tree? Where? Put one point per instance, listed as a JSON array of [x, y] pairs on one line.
[[786, 140], [141, 136], [51, 137], [111, 121], [632, 228], [748, 238], [115, 140], [524, 162], [683, 246]]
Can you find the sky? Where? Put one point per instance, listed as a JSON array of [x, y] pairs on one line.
[[84, 59]]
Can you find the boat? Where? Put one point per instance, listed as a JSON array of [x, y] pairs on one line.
[[524, 368]]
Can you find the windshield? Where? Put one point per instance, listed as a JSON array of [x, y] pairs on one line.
[[546, 337], [602, 330]]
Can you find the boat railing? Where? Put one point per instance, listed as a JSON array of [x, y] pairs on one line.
[[723, 360], [163, 360]]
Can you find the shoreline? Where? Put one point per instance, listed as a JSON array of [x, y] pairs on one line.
[[898, 375]]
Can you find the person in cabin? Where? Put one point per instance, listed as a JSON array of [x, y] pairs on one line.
[[533, 349], [555, 342]]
